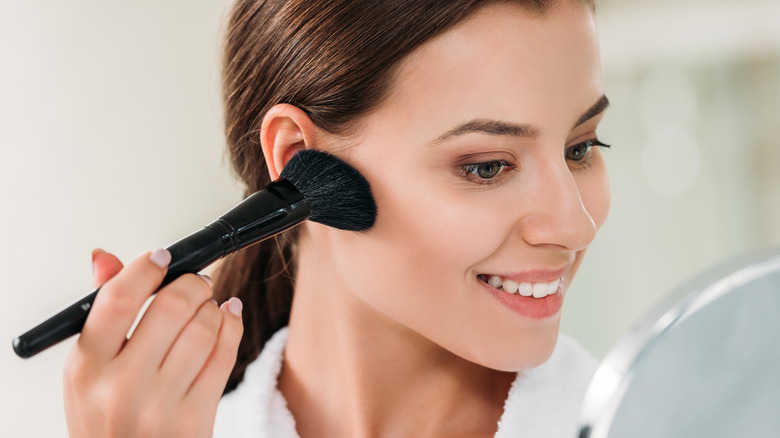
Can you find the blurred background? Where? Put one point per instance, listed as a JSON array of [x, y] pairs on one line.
[[111, 137]]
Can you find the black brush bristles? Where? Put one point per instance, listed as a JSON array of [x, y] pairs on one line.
[[336, 193]]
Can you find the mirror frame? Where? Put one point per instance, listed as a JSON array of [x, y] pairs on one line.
[[615, 373]]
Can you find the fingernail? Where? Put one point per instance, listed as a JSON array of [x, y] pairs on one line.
[[235, 306], [160, 257], [207, 279], [95, 253]]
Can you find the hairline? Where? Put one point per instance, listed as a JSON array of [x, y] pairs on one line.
[[539, 7]]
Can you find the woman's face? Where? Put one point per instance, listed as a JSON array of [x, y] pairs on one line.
[[487, 176]]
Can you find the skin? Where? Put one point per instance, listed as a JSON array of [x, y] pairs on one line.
[[392, 334], [166, 380], [372, 345]]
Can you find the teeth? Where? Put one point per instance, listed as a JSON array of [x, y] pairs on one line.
[[537, 290], [510, 286], [540, 290]]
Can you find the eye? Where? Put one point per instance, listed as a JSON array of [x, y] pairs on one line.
[[580, 151], [486, 170]]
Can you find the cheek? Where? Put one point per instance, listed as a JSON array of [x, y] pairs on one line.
[[423, 228], [426, 222], [418, 258], [595, 192]]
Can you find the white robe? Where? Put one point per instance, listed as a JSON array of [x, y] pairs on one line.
[[543, 402]]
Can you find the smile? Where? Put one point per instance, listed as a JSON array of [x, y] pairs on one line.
[[536, 290]]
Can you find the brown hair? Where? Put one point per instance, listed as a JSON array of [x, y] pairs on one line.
[[333, 59]]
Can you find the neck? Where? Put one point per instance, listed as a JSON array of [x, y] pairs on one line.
[[352, 371]]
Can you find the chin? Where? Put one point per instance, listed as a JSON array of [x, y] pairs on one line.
[[529, 349]]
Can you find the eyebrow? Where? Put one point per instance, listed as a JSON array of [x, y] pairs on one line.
[[597, 108], [497, 127]]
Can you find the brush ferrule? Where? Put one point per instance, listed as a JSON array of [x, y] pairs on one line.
[[227, 233], [261, 215]]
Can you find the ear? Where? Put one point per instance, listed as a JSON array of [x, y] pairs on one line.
[[286, 129]]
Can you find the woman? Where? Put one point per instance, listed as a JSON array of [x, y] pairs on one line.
[[475, 124]]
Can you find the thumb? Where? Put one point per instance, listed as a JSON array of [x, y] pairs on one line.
[[104, 266]]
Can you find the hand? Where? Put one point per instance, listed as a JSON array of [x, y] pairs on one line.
[[167, 378]]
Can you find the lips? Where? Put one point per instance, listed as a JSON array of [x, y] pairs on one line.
[[544, 300], [526, 289]]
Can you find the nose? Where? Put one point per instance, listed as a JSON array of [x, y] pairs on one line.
[[553, 211]]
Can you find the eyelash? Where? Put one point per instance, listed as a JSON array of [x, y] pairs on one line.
[[470, 171], [584, 161]]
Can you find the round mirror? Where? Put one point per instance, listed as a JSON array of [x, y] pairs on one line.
[[706, 363]]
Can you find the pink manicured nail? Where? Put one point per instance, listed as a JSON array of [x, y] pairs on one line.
[[235, 306], [207, 279], [160, 257], [95, 253]]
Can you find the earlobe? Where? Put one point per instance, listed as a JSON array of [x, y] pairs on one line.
[[285, 130]]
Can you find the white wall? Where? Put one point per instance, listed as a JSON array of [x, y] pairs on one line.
[[110, 133], [111, 136]]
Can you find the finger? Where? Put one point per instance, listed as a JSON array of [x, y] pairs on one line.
[[104, 266], [170, 311], [211, 381], [118, 302], [192, 348]]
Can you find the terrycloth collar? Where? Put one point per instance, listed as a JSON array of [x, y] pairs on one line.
[[543, 401], [256, 409]]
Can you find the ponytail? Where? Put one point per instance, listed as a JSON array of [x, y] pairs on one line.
[[262, 277]]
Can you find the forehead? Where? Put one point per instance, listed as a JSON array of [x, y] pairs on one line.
[[503, 62]]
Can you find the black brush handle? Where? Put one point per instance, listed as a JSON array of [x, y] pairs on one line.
[[190, 254], [263, 214]]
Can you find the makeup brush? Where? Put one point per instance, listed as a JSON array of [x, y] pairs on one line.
[[313, 185]]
